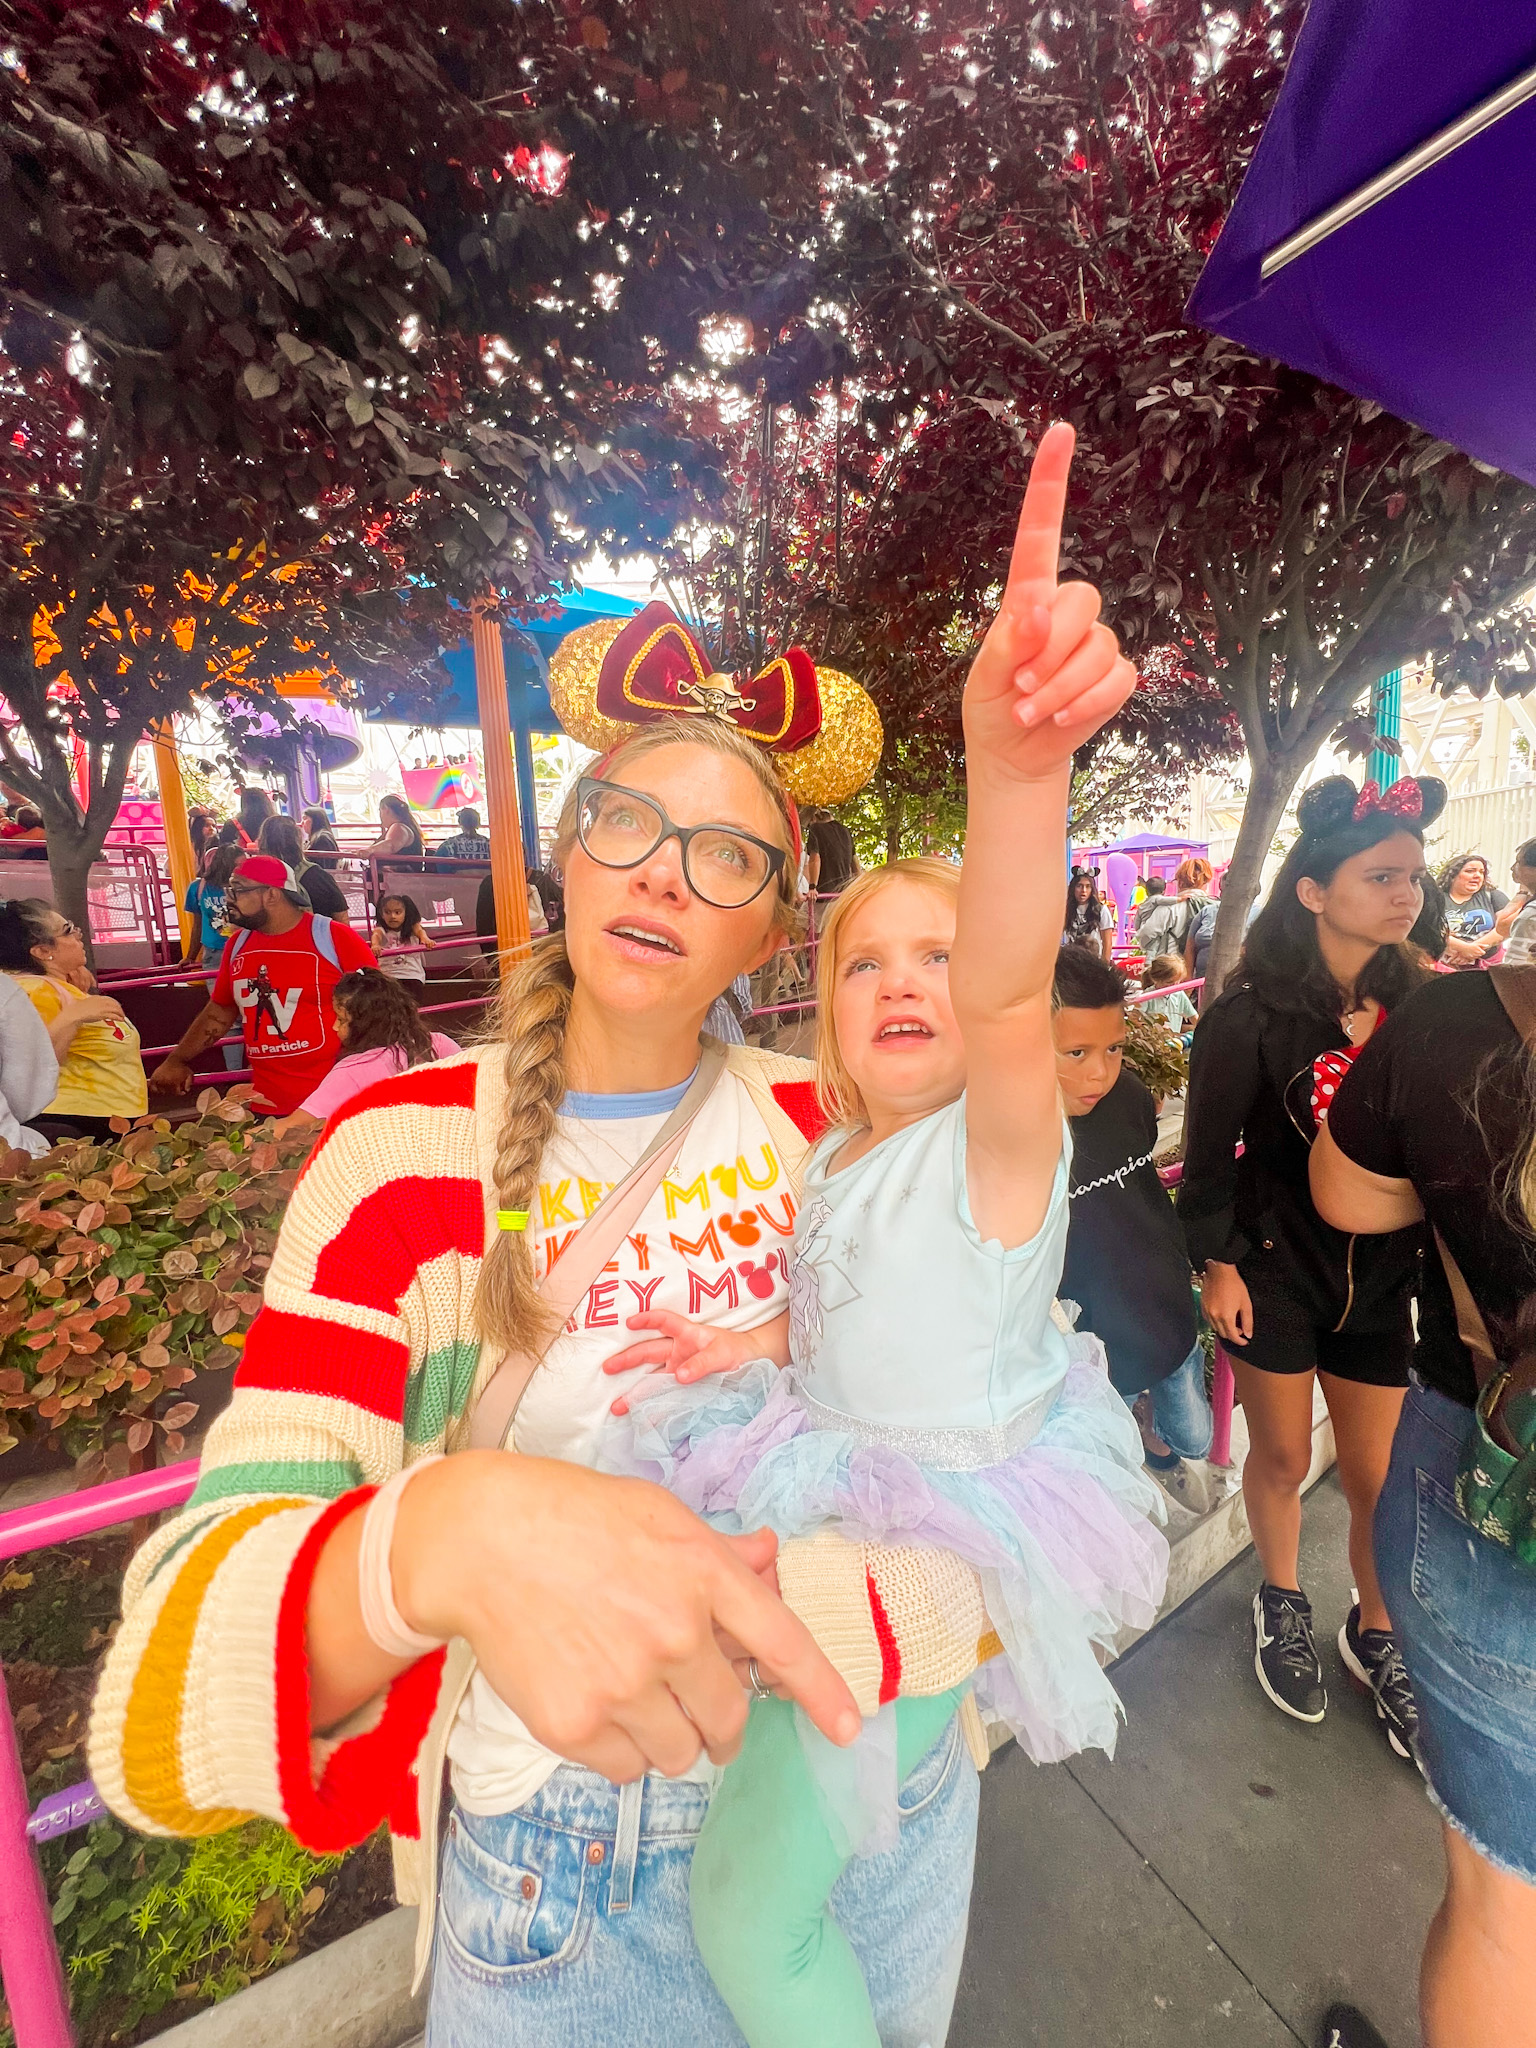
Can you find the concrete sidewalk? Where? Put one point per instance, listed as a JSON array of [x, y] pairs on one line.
[[1229, 1875]]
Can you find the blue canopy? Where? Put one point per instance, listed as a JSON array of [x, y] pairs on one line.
[[527, 691], [528, 702], [1385, 235]]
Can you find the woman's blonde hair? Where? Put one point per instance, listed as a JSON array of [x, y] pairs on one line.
[[529, 1019], [836, 1089]]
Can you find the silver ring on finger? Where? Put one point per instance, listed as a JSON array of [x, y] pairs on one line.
[[755, 1681]]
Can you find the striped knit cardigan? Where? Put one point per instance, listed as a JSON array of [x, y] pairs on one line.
[[365, 1357]]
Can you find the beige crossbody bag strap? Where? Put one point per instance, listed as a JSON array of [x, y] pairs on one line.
[[590, 1250]]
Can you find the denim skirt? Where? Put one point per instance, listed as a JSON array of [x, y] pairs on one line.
[[1465, 1614], [565, 1923]]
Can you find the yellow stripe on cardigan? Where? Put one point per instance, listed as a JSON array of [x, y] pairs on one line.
[[152, 1724]]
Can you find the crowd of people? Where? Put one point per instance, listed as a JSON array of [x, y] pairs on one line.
[[268, 928]]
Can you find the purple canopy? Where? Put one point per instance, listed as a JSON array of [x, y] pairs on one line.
[[1425, 299]]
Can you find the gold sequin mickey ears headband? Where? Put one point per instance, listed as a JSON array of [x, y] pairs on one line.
[[819, 728]]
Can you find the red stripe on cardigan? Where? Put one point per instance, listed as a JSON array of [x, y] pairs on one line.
[[798, 1101], [293, 1354], [885, 1636], [427, 1086], [369, 1777], [393, 1232]]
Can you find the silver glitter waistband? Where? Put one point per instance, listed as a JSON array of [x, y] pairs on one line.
[[942, 1450]]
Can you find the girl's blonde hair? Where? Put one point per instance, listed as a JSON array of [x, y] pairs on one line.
[[529, 1019], [1162, 970], [836, 1089]]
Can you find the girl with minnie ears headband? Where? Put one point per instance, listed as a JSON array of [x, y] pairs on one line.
[[1290, 1296]]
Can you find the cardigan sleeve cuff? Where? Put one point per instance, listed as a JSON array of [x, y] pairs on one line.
[[336, 1792], [822, 1578]]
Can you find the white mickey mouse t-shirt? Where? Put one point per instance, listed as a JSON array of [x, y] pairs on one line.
[[713, 1245]]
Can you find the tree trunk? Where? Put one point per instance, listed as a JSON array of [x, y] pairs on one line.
[[1269, 792], [895, 815], [70, 854]]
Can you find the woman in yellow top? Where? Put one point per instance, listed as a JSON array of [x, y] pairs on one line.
[[100, 1072]]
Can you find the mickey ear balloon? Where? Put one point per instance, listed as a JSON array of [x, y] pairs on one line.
[[818, 726]]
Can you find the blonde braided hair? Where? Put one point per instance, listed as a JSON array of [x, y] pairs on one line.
[[529, 1018]]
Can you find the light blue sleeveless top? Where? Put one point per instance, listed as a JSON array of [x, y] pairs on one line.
[[902, 1319]]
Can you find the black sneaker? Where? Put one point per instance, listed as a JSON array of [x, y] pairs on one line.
[[1373, 1660], [1346, 2026], [1285, 1654]]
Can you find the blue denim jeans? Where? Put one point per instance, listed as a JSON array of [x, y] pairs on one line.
[[1465, 1614], [566, 1923], [1181, 1408]]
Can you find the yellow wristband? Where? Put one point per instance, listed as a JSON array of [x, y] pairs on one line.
[[511, 1219]]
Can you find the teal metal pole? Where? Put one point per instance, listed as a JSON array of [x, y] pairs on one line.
[[1387, 711]]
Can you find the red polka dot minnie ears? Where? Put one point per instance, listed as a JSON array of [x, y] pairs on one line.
[[1334, 803]]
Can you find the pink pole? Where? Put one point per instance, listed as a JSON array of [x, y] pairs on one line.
[[70, 1515], [29, 1957], [1222, 1393]]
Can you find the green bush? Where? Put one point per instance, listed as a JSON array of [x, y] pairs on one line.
[[127, 1268], [143, 1924], [1155, 1052]]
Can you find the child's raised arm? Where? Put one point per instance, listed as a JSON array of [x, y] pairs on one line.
[[1047, 677]]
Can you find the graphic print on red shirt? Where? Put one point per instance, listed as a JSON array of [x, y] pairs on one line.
[[281, 985]]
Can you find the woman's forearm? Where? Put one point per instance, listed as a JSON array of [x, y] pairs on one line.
[[61, 1031], [346, 1667]]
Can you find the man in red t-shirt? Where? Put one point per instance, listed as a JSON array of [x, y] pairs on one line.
[[276, 976]]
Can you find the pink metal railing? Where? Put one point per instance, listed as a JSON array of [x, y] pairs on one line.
[[29, 1957]]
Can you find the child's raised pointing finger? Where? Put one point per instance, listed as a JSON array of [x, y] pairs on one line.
[[1037, 544]]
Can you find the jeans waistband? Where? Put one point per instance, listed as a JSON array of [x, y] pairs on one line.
[[581, 1803]]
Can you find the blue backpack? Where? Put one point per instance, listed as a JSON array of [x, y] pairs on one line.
[[321, 930]]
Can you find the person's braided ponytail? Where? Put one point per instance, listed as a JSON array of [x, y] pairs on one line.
[[529, 1018]]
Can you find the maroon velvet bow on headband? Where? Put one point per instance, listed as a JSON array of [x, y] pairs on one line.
[[1403, 800], [655, 667]]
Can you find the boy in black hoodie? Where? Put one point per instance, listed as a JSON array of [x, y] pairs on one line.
[[1127, 1268]]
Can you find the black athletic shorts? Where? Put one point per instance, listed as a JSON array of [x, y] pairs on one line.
[[1286, 1339]]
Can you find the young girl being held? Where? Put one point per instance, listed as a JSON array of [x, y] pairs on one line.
[[397, 926], [931, 1393]]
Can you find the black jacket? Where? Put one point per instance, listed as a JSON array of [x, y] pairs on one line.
[[1250, 1081]]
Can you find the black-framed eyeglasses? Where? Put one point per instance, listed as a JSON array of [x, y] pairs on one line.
[[724, 866]]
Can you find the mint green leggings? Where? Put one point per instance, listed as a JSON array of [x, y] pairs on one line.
[[763, 1872]]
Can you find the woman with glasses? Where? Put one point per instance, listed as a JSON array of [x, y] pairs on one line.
[[433, 1209], [100, 1072]]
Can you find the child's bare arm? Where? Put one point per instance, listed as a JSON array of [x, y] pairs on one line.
[[1048, 675], [692, 1351]]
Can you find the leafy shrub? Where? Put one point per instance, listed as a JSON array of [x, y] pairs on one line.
[[126, 1268], [1154, 1052], [141, 1924]]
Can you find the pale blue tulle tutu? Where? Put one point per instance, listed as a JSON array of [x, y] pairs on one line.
[[1062, 1533]]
